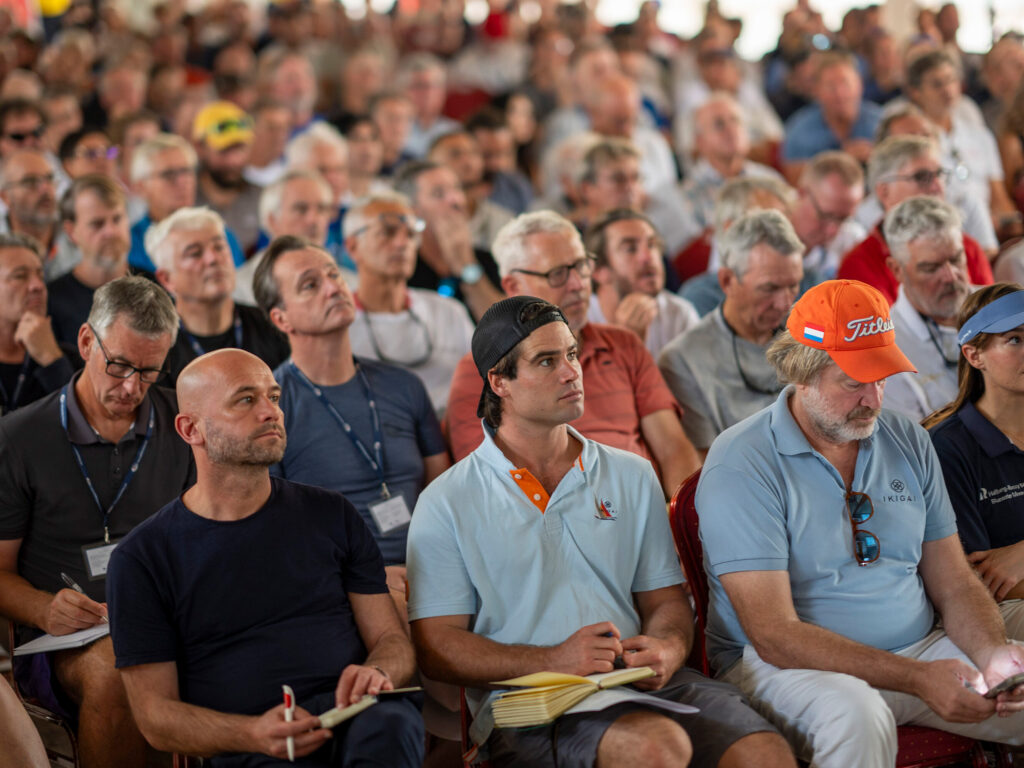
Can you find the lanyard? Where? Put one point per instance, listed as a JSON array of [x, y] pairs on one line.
[[743, 375], [197, 347], [376, 461], [85, 472], [928, 323], [10, 403]]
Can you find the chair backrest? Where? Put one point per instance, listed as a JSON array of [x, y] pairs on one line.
[[682, 515]]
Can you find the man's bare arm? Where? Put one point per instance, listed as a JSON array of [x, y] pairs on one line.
[[171, 725], [390, 662], [434, 466], [673, 452], [60, 614], [666, 634], [764, 605], [448, 652]]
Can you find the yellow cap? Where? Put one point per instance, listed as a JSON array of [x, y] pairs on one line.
[[222, 124]]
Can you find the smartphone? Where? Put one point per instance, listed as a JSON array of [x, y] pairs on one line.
[[1006, 685]]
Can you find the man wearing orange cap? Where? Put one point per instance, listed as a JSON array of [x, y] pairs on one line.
[[223, 135], [831, 545]]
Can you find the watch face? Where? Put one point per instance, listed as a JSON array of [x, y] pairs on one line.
[[471, 274]]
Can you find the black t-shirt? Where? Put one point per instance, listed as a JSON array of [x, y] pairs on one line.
[[245, 606], [259, 336], [39, 380], [425, 277], [69, 302]]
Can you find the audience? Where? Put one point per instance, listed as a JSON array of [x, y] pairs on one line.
[[977, 433], [927, 257], [797, 596], [80, 468], [386, 157]]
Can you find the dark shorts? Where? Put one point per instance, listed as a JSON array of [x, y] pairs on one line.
[[571, 741], [389, 735]]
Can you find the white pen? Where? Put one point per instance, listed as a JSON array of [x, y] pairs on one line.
[[289, 716], [72, 584]]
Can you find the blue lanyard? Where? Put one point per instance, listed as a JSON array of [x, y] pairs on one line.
[[197, 347], [85, 472], [376, 461], [10, 403]]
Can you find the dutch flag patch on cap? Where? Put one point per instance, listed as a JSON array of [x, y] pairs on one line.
[[814, 333]]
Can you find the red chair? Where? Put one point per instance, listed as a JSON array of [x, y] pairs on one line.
[[919, 747]]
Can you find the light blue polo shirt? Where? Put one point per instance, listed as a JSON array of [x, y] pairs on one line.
[[480, 545], [768, 501]]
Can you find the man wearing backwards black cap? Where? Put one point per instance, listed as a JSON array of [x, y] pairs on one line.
[[831, 545], [590, 578]]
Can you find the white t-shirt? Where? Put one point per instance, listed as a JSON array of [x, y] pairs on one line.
[[429, 338], [675, 315]]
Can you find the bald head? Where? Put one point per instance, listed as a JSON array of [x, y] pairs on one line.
[[228, 410]]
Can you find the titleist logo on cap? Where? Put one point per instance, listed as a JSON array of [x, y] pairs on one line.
[[868, 326]]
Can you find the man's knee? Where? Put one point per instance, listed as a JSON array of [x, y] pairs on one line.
[[88, 675], [644, 738], [765, 749], [390, 733], [849, 711]]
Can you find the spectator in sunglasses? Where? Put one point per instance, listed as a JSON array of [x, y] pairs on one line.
[[22, 126], [88, 151]]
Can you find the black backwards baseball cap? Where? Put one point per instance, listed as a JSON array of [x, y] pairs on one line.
[[502, 327]]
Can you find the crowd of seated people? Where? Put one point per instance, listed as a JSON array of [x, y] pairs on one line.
[[361, 352]]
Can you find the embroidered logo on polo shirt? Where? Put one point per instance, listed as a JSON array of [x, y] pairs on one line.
[[999, 495], [604, 508], [898, 485]]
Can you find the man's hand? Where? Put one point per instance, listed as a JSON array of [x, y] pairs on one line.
[[269, 733], [954, 691], [588, 650], [660, 655], [860, 149], [1005, 661], [1001, 569], [35, 333], [70, 611], [357, 680], [636, 312], [454, 240]]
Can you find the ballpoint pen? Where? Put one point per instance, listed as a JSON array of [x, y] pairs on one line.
[[72, 584], [289, 716]]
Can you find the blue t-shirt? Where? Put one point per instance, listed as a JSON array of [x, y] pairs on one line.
[[807, 133], [984, 474], [769, 502], [320, 453], [139, 259], [246, 606]]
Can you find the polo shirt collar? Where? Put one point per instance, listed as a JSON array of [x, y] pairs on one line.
[[909, 317], [991, 440], [790, 440], [491, 453], [80, 432]]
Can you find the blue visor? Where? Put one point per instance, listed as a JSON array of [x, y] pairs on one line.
[[1001, 315]]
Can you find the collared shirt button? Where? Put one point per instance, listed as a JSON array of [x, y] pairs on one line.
[[518, 476], [536, 497]]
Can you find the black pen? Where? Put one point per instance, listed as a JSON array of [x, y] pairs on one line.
[[72, 584]]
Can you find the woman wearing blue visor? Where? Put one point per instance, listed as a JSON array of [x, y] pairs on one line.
[[980, 436]]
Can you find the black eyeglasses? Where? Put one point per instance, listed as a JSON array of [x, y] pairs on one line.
[[866, 547], [124, 370], [34, 182], [171, 175], [19, 137], [924, 177], [558, 276]]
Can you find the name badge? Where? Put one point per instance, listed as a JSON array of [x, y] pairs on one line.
[[391, 513], [97, 557]]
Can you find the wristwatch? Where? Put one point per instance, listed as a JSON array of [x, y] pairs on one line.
[[471, 274]]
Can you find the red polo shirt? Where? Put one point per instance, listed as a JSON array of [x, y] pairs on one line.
[[866, 262]]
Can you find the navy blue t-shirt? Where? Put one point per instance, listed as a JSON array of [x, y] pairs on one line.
[[320, 453], [984, 475], [246, 606]]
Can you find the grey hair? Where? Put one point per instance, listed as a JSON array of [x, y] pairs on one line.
[[509, 247], [355, 216], [12, 240], [718, 97], [769, 228], [146, 152], [418, 62], [920, 216], [737, 195], [145, 307], [607, 150], [270, 198], [795, 362], [895, 152], [898, 112], [183, 219], [301, 150]]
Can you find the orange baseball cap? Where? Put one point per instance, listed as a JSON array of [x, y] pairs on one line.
[[851, 321]]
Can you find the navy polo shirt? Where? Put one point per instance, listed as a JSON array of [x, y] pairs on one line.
[[984, 475]]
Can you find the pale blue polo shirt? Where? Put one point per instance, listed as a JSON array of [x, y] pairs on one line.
[[480, 545], [769, 502]]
